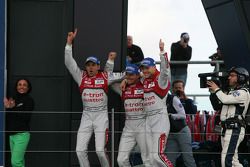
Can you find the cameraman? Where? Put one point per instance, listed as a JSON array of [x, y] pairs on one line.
[[234, 106]]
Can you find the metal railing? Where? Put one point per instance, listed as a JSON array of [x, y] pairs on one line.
[[217, 68], [217, 63]]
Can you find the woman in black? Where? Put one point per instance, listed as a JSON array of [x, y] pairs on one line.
[[18, 117]]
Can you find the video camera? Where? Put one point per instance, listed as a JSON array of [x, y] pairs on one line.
[[220, 78]]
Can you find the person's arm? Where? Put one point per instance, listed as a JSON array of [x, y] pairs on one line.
[[179, 108], [238, 97], [115, 78], [165, 75], [116, 88], [109, 66], [217, 105], [190, 106], [70, 63], [188, 53], [174, 51]]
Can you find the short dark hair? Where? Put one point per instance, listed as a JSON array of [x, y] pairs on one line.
[[178, 81]]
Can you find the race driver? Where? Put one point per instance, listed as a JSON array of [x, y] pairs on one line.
[[135, 124], [156, 86], [93, 86]]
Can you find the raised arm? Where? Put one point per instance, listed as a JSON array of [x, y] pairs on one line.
[[164, 78], [116, 88], [109, 66], [70, 63]]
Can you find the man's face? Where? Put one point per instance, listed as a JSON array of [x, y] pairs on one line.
[[148, 71], [132, 78], [130, 41], [92, 68], [178, 87], [232, 79]]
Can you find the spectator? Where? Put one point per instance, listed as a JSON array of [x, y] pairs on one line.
[[179, 139], [217, 56], [178, 89], [18, 119], [135, 54], [180, 51]]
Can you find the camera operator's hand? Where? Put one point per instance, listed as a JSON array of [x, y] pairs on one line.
[[212, 86], [183, 43]]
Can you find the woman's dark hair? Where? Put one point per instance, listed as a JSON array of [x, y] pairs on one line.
[[29, 84]]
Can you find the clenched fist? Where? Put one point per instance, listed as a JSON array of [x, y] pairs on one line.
[[112, 56]]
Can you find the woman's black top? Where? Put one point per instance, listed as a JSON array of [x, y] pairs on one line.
[[18, 118]]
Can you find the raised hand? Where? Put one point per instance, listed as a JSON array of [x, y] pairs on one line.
[[112, 56], [71, 37], [9, 103], [6, 102], [161, 45]]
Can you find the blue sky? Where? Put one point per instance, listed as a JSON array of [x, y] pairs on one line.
[[150, 20]]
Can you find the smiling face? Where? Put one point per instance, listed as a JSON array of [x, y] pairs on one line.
[[132, 78], [233, 79], [147, 71], [92, 68], [22, 86]]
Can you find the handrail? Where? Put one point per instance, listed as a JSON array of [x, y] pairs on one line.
[[216, 62], [217, 68], [194, 62]]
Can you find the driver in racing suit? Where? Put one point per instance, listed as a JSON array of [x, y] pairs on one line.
[[135, 124], [234, 107], [93, 86], [156, 86]]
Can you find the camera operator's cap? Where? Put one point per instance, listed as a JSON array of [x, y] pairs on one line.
[[147, 62], [92, 59], [185, 35], [132, 69]]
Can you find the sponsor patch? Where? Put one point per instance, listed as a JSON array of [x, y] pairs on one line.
[[152, 84], [87, 82], [139, 91], [99, 81]]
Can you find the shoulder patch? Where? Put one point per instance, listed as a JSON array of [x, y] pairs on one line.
[[180, 105], [236, 93]]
